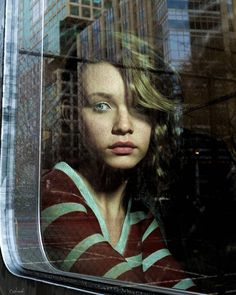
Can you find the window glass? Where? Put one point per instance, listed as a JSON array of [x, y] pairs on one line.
[[74, 10], [97, 3], [118, 151], [178, 4], [107, 3], [20, 133], [85, 12], [86, 2], [1, 43], [96, 12], [36, 12]]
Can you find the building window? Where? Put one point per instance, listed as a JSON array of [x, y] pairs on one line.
[[108, 4], [86, 2], [96, 13], [86, 12], [74, 10], [97, 3]]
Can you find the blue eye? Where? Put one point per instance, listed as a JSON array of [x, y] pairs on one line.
[[101, 107]]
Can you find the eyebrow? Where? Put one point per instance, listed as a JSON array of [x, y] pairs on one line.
[[102, 94]]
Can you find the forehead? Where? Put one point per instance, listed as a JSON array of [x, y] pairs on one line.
[[102, 77]]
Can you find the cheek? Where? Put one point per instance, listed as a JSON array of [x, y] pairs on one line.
[[145, 133], [94, 131], [147, 140]]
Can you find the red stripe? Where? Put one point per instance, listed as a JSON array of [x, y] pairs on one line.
[[165, 272], [153, 242], [69, 230], [135, 275], [97, 260], [56, 188], [54, 198], [134, 243], [66, 232]]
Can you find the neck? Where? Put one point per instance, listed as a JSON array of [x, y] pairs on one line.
[[107, 187]]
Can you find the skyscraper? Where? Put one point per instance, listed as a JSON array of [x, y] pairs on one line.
[[186, 26], [57, 22], [62, 23], [134, 17], [191, 34]]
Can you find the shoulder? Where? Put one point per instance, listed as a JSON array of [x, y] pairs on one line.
[[140, 215], [57, 187], [147, 218], [56, 179]]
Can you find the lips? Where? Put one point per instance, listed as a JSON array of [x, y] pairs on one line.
[[123, 148]]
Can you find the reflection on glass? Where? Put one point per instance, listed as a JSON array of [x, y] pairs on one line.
[[96, 209], [74, 10], [86, 2], [97, 3], [96, 12], [85, 12], [193, 185]]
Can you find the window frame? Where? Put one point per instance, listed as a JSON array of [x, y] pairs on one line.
[[74, 281]]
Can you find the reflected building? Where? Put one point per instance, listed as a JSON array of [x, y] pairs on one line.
[[52, 26], [181, 28], [186, 26], [134, 17], [198, 38], [58, 21], [192, 35], [63, 20], [208, 74], [2, 21], [29, 86], [199, 41]]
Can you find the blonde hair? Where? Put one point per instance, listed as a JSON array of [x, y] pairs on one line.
[[153, 83]]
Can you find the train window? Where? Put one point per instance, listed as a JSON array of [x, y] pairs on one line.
[[118, 144]]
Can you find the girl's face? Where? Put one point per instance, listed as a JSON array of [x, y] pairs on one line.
[[116, 132]]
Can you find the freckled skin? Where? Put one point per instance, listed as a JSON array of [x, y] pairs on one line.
[[110, 117]]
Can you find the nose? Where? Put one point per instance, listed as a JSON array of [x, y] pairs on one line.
[[123, 123]]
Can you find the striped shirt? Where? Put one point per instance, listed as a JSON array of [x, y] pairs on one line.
[[76, 238]]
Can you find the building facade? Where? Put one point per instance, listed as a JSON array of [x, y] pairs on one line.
[[134, 17], [57, 22], [63, 21], [186, 26], [194, 37]]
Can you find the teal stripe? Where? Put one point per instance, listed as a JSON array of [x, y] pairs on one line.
[[78, 181], [53, 212], [184, 284], [120, 246], [117, 270], [79, 249], [154, 257], [135, 261], [150, 229], [135, 217]]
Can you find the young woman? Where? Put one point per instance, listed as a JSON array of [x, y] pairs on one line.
[[94, 217]]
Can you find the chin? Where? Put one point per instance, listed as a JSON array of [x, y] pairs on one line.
[[123, 163]]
